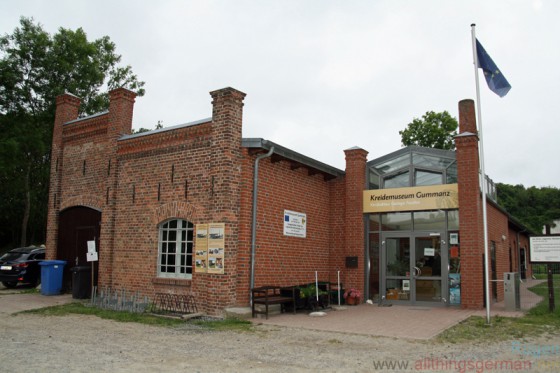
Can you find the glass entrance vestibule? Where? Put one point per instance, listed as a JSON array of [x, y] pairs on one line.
[[412, 210], [414, 257]]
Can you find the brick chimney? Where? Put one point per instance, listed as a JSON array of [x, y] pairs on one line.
[[470, 207], [121, 107], [355, 184]]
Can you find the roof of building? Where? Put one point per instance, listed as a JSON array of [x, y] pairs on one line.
[[164, 129], [414, 149], [296, 159]]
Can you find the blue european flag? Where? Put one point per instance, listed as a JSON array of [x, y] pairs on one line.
[[496, 80]]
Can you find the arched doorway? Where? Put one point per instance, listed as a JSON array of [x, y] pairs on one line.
[[76, 226]]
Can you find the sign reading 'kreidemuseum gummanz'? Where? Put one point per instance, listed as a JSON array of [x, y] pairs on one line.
[[433, 197]]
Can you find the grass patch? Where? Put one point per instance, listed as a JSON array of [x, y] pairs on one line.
[[475, 329], [29, 291], [82, 309], [537, 321], [141, 318], [225, 324]]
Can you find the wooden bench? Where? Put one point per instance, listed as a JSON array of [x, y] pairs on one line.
[[269, 295]]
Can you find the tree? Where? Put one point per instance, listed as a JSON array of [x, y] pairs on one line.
[[434, 130], [35, 67], [534, 207]]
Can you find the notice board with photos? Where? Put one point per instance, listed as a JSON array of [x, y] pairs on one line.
[[209, 248]]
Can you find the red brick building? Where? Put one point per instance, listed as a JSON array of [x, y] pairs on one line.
[[171, 211]]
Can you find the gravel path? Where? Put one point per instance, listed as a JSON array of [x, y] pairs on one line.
[[78, 343]]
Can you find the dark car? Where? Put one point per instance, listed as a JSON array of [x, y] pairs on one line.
[[21, 266]]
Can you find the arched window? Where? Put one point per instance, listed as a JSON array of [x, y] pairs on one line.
[[175, 249]]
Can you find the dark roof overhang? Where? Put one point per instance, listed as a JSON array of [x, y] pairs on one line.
[[295, 159]]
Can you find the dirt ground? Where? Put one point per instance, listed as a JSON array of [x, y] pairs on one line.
[[79, 343]]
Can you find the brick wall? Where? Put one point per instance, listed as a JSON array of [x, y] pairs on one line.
[[285, 260]]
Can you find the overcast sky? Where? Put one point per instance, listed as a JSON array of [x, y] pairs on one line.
[[324, 76]]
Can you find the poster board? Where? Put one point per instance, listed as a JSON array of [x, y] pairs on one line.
[[295, 224], [210, 248], [545, 249], [201, 248]]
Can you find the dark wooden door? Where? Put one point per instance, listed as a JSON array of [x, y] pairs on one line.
[[77, 226]]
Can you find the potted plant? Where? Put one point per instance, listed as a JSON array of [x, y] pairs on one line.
[[352, 296]]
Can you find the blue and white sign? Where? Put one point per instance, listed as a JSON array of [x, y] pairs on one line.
[[295, 224]]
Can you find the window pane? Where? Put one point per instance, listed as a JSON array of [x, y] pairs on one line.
[[397, 181], [398, 256], [429, 220], [430, 161], [393, 164], [374, 222], [453, 220], [374, 181], [175, 248], [428, 178], [397, 221], [452, 174]]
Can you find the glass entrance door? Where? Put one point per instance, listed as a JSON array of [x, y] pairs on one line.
[[427, 269], [412, 269]]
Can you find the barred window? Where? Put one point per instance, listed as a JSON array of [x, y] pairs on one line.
[[175, 248]]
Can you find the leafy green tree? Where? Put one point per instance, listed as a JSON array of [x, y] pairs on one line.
[[534, 207], [35, 67], [434, 130]]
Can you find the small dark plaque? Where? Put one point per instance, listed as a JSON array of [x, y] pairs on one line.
[[351, 262]]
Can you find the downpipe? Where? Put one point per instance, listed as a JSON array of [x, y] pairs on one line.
[[254, 217]]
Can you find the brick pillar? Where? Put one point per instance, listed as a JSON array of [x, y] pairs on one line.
[[225, 189], [121, 108], [470, 208], [67, 109], [355, 184]]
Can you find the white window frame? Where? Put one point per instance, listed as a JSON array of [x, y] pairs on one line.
[[165, 240]]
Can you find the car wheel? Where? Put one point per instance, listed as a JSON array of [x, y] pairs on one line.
[[10, 284]]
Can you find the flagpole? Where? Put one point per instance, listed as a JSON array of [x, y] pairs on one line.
[[484, 212]]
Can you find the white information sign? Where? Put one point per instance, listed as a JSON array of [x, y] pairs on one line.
[[454, 238], [295, 224], [91, 246], [92, 257], [429, 251], [545, 249]]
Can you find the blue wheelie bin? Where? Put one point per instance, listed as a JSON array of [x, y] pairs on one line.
[[51, 276]]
